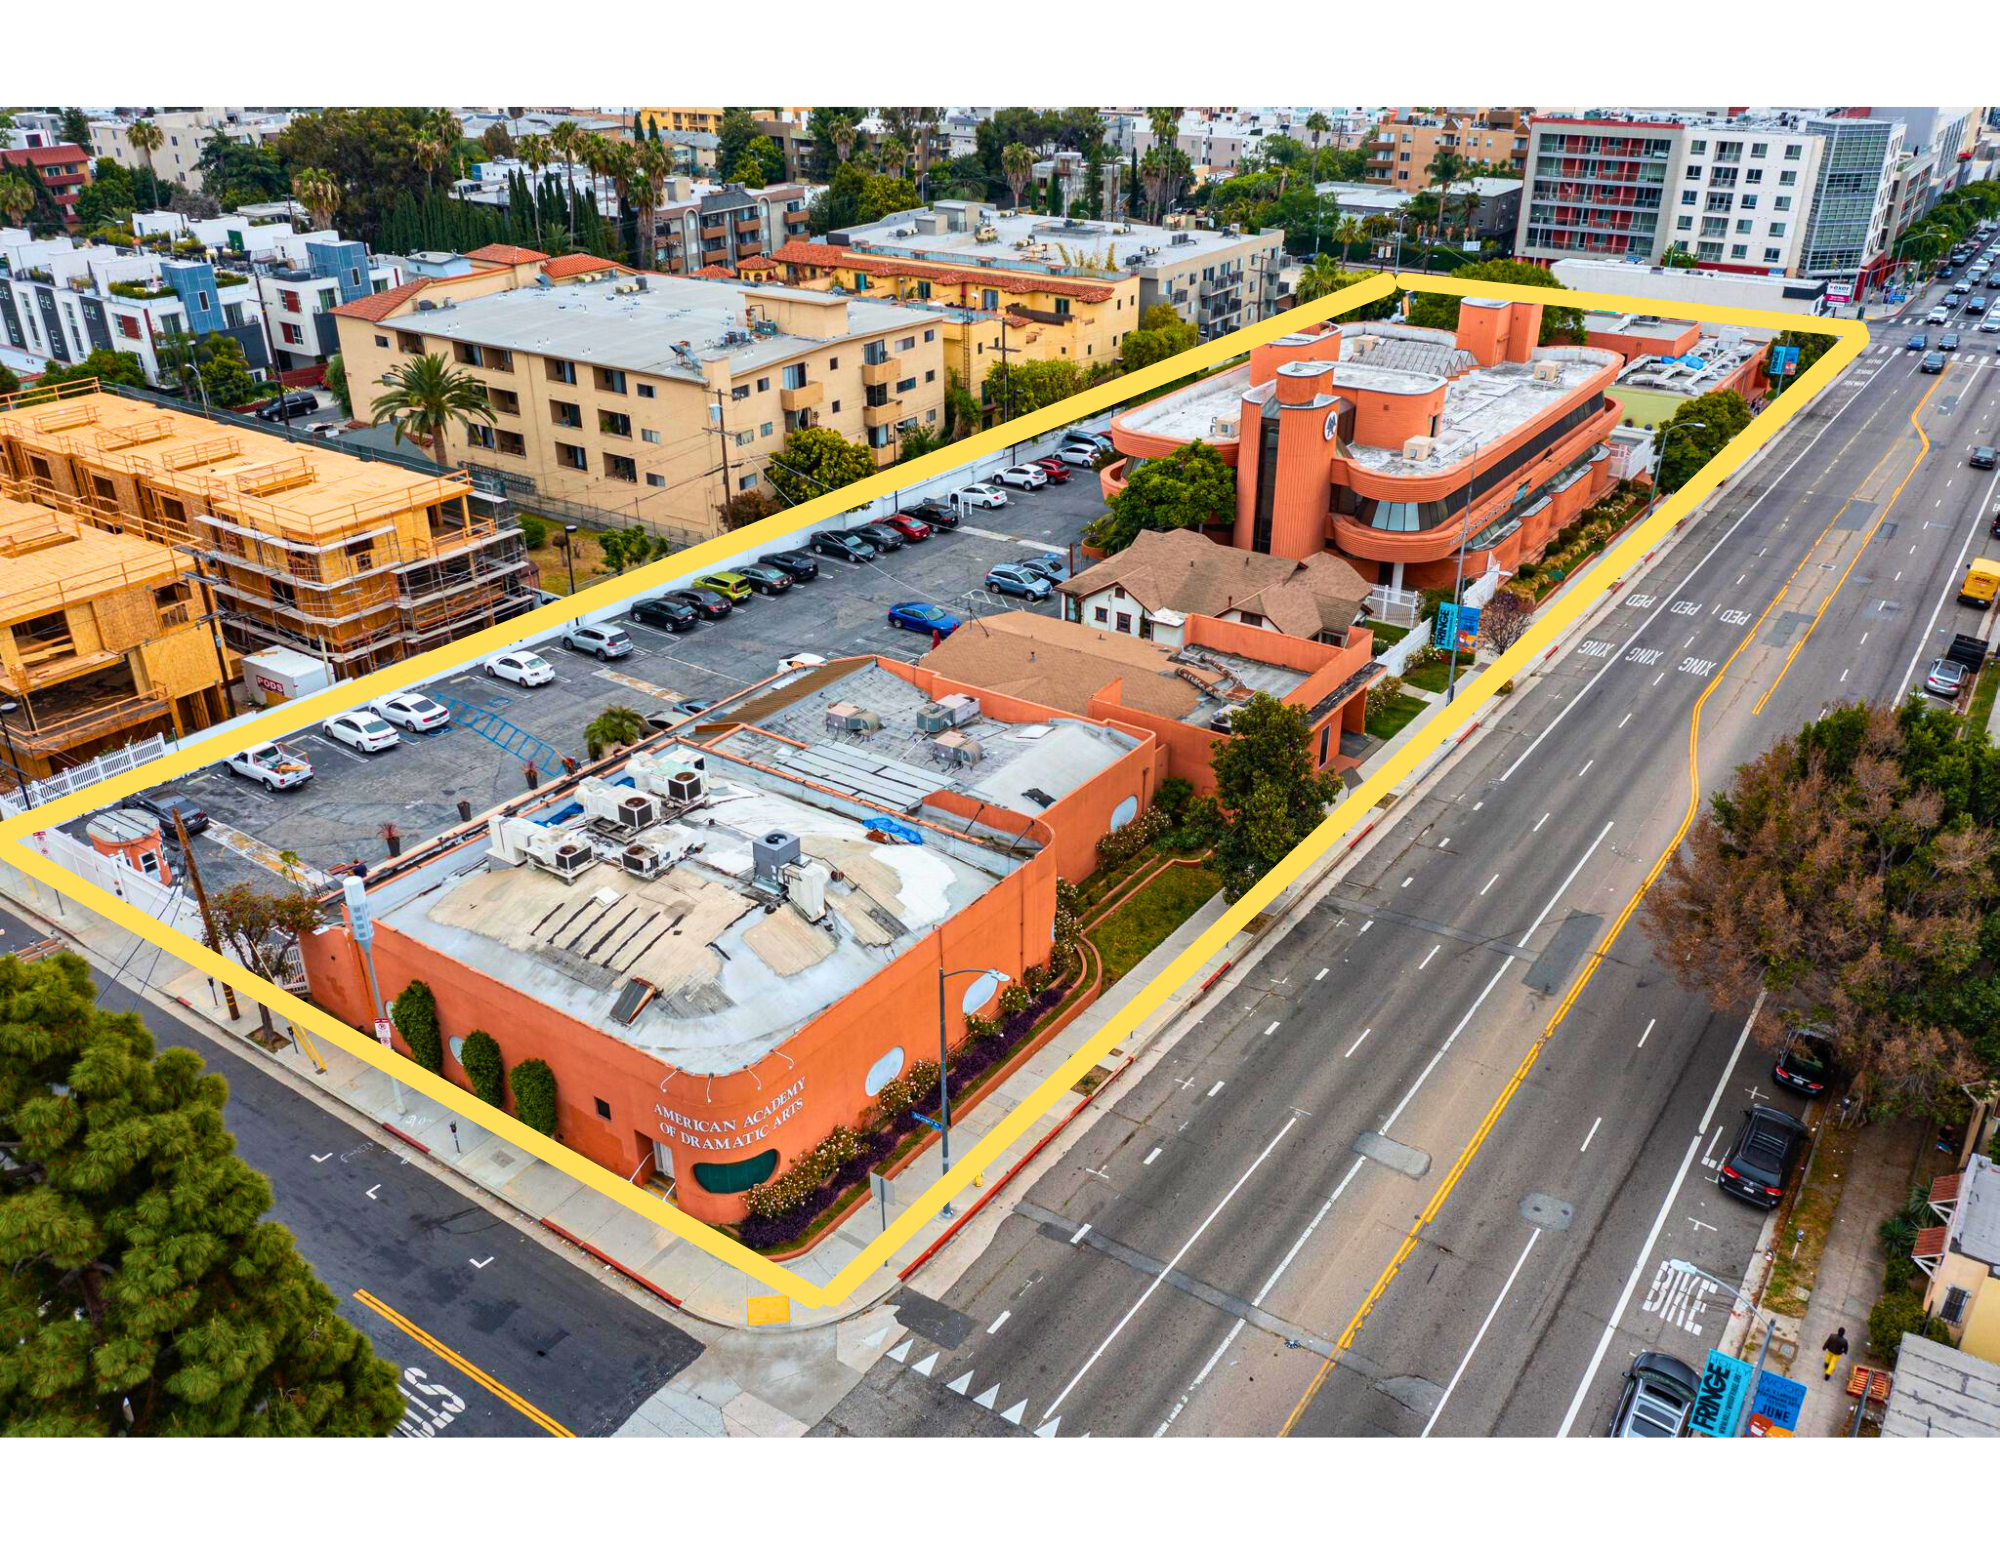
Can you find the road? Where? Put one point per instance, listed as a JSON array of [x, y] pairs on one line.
[[1419, 1172], [496, 1335]]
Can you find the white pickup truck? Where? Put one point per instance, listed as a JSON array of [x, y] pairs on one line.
[[271, 765]]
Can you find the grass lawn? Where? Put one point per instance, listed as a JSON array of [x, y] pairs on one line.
[[552, 570], [1982, 700], [1386, 724], [1795, 1268], [1431, 677], [1137, 928], [1387, 635]]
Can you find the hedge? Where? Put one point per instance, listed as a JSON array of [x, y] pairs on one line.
[[415, 1013], [480, 1057], [534, 1086]]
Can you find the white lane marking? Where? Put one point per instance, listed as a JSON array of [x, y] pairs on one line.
[[1431, 956], [1005, 1315], [1590, 1134], [1150, 1158], [1365, 927], [1484, 1326], [1273, 1025], [1078, 1235], [1366, 1032], [1322, 973], [321, 1158], [1538, 825], [1624, 721], [1659, 678], [1488, 885], [1479, 804], [373, 1189], [1216, 1090], [1647, 1031], [482, 1265], [1406, 880], [1587, 766]]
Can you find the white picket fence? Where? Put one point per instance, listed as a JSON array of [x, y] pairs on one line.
[[170, 904], [71, 779]]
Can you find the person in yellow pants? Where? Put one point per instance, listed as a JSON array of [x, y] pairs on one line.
[[1835, 1348]]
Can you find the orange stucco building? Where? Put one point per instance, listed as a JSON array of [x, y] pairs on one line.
[[723, 944], [1394, 446]]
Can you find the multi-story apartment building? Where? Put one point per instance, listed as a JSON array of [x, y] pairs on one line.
[[63, 169], [653, 395], [989, 316], [358, 563], [1403, 145], [708, 225], [681, 120], [787, 125], [32, 130], [1217, 280], [1853, 205], [1745, 194], [183, 132], [103, 637]]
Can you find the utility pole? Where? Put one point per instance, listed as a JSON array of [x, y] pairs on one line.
[[722, 429], [201, 900]]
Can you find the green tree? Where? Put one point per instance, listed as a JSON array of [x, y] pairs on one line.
[[210, 366], [1186, 489], [885, 196], [817, 461], [369, 154], [917, 442], [534, 1086], [484, 1070], [414, 1013], [107, 366], [9, 382], [838, 204], [1161, 334], [1032, 384], [626, 549], [1698, 430], [1269, 790], [1560, 324], [73, 125], [613, 729], [735, 136], [1810, 346], [106, 200], [1324, 276], [335, 379], [427, 398], [141, 1293]]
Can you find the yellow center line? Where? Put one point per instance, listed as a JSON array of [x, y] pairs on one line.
[[486, 1381]]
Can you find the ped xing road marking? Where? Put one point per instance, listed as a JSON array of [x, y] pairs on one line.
[[1527, 1064], [484, 1380], [1473, 695]]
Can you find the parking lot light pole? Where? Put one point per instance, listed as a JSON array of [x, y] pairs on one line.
[[569, 554], [1770, 1330], [994, 981]]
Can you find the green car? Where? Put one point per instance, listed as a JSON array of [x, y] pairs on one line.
[[732, 587]]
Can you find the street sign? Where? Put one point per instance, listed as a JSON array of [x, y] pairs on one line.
[[1778, 1402], [382, 1028], [919, 1116], [1724, 1381]]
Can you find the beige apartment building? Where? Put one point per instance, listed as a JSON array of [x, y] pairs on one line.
[[1402, 146], [655, 397]]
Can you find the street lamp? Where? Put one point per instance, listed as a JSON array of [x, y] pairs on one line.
[[8, 706], [1458, 584], [569, 554], [976, 997], [1770, 1330], [1660, 459]]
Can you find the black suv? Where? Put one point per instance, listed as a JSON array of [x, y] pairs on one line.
[[801, 568], [1759, 1162], [1983, 456], [838, 544], [1806, 1063], [935, 513], [704, 603], [664, 612], [884, 539], [766, 580], [287, 406], [162, 803]]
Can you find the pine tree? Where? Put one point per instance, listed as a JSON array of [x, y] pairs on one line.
[[140, 1291]]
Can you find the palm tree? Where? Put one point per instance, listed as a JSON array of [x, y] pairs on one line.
[[426, 397], [565, 140], [1017, 165], [1322, 276], [615, 728], [926, 121], [1347, 231], [535, 156], [900, 138], [1468, 211], [596, 158], [16, 199], [318, 191], [1317, 124], [843, 134], [145, 137], [650, 170], [621, 165]]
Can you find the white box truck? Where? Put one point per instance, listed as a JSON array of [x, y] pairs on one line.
[[280, 675]]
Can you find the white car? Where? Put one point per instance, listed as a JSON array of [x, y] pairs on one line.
[[1078, 455], [413, 711], [523, 667], [271, 765], [979, 496], [1022, 477], [1990, 325], [1940, 314], [362, 730]]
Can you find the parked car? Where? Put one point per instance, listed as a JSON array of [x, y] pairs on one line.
[[606, 640], [705, 604], [765, 580], [663, 611], [1984, 456], [1945, 679], [922, 617], [523, 667], [413, 711], [1053, 468], [1948, 342], [165, 804], [1076, 453], [1933, 364], [1806, 1063], [1658, 1395], [667, 718], [838, 544], [1017, 580], [363, 730], [1759, 1162], [287, 406], [884, 539], [1992, 322], [1027, 475], [906, 526], [796, 564], [1051, 566], [271, 765], [979, 496], [728, 584], [934, 513], [1090, 437], [1963, 287]]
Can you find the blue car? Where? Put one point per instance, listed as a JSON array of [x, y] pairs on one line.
[[922, 617], [1918, 341]]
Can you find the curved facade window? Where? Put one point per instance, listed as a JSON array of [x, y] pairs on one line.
[[728, 1179], [457, 1044], [886, 1067], [1128, 807]]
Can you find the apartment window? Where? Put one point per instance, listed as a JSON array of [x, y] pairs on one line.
[[290, 299], [1777, 227], [566, 415], [764, 430], [1694, 174], [1684, 223], [1698, 147], [748, 480], [623, 468], [739, 394], [1773, 254], [1953, 1306], [408, 343], [655, 480], [1749, 201], [604, 1110], [480, 435], [505, 402], [1787, 179], [930, 333], [619, 424], [1782, 201], [1739, 251], [381, 342], [1690, 196], [833, 363], [745, 436], [1794, 152], [1100, 614], [561, 370], [571, 456], [794, 377], [907, 384], [990, 300], [1743, 227], [763, 383], [1759, 149], [611, 381], [929, 377], [875, 353], [129, 326], [1754, 174], [650, 436], [292, 333]]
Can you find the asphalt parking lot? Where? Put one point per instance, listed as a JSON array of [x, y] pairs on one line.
[[338, 818]]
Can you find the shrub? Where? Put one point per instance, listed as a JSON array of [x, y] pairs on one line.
[[534, 532], [1173, 797], [1133, 838], [1013, 999], [1068, 897], [534, 1086], [1898, 1315], [480, 1057], [414, 1014]]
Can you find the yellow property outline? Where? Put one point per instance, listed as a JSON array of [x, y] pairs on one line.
[[1851, 337]]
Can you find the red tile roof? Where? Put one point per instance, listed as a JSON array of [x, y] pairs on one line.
[[755, 265], [46, 155], [377, 307], [815, 254], [1930, 1243], [498, 252], [1945, 1188], [574, 263], [713, 271]]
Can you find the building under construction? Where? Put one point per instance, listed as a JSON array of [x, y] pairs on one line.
[[356, 562]]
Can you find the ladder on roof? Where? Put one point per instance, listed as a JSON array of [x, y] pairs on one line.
[[504, 733]]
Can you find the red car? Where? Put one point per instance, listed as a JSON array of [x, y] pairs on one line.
[[910, 530], [1058, 473]]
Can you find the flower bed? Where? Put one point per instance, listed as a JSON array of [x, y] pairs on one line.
[[1601, 525]]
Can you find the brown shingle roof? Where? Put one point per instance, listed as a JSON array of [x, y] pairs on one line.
[[1183, 571], [1061, 665], [379, 307], [500, 252]]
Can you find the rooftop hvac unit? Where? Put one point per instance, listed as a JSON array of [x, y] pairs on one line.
[[768, 856], [947, 713], [986, 233], [1548, 370], [643, 860], [805, 888], [957, 748], [562, 854], [627, 809], [510, 835], [1420, 448], [852, 719], [677, 776]]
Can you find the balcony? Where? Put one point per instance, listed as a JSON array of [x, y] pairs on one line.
[[86, 721], [885, 455], [795, 219], [749, 226], [881, 373], [794, 398], [883, 415]]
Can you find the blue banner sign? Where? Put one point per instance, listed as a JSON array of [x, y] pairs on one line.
[[1719, 1401], [1461, 622], [1778, 1400]]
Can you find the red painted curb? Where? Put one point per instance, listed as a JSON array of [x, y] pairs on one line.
[[1355, 841], [405, 1137], [1046, 1138], [1218, 975], [618, 1266]]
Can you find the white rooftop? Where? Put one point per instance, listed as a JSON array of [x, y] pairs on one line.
[[1017, 234]]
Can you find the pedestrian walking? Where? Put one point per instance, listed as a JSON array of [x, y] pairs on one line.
[[1835, 1347]]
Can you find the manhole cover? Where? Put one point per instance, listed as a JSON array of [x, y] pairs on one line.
[[1545, 1211]]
